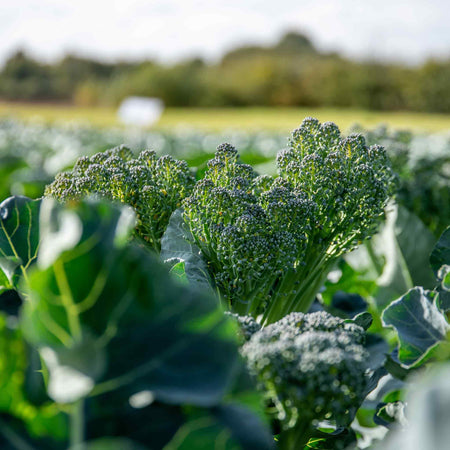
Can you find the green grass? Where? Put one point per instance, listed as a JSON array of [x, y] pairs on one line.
[[281, 119]]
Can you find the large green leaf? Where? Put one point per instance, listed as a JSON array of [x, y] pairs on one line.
[[419, 323], [441, 253], [106, 317], [19, 238], [124, 343], [99, 225], [413, 242], [179, 251]]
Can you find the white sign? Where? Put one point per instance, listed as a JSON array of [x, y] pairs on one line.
[[140, 111]]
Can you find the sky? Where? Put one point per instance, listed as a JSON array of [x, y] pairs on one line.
[[409, 31]]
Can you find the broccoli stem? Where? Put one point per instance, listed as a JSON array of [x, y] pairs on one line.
[[77, 424], [303, 300], [280, 297], [263, 295], [254, 297], [299, 288]]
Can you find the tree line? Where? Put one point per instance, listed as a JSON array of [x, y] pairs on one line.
[[290, 73]]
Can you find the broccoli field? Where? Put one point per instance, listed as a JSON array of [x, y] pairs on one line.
[[183, 290]]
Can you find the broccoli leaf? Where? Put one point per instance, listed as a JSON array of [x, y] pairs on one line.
[[364, 320], [177, 247], [106, 317], [419, 324], [441, 252], [19, 238]]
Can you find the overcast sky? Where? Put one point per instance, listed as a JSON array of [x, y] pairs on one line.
[[406, 30]]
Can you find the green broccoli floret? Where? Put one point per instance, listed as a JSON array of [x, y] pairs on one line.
[[270, 242], [235, 226], [153, 186], [311, 368]]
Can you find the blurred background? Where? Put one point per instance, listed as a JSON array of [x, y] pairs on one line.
[[182, 76], [217, 64]]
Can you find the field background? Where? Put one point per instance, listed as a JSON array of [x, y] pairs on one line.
[[214, 119]]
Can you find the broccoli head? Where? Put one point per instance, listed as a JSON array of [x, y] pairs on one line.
[[311, 367], [154, 187], [270, 241], [348, 181], [235, 225]]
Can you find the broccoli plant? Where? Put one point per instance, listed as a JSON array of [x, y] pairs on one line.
[[270, 241], [153, 186], [312, 368]]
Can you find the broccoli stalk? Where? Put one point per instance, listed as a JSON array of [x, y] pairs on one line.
[[270, 242], [311, 368], [154, 187]]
